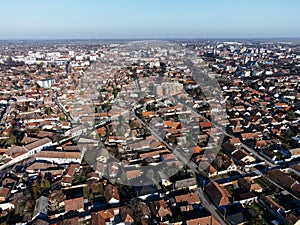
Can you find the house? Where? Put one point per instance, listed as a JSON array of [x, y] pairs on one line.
[[104, 217], [113, 169], [295, 153], [272, 206], [37, 146], [38, 166], [41, 207], [295, 169], [187, 199], [144, 210], [9, 182], [148, 114], [235, 141], [4, 192], [248, 184], [157, 145], [243, 158], [40, 222], [67, 181], [211, 220], [76, 131], [100, 168], [229, 148], [131, 174], [217, 194], [160, 210], [153, 154], [27, 140], [72, 169], [116, 139], [145, 191], [73, 221], [198, 150], [285, 180], [101, 131], [260, 144], [6, 207], [172, 124], [92, 176], [76, 204], [291, 218], [126, 215], [46, 134], [205, 125], [239, 215], [190, 183], [251, 136], [111, 194], [59, 157], [209, 170], [27, 151], [142, 145], [203, 138]]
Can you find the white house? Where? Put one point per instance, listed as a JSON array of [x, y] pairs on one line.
[[59, 157]]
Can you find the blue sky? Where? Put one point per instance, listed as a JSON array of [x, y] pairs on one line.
[[54, 19]]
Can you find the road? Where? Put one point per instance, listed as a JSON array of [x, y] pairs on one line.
[[186, 161], [268, 163], [8, 108], [271, 181], [258, 155], [252, 151], [67, 114]]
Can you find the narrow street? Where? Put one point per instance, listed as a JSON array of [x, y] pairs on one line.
[[7, 110], [252, 151], [186, 161]]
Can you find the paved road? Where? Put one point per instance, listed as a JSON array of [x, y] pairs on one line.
[[8, 108], [186, 161], [254, 153], [271, 181], [258, 155], [65, 111]]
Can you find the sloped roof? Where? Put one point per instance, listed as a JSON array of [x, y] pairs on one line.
[[219, 195]]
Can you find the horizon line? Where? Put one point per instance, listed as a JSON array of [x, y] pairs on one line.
[[140, 38]]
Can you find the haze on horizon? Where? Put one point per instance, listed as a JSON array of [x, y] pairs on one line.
[[78, 19]]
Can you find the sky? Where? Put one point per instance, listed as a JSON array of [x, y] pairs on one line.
[[102, 19]]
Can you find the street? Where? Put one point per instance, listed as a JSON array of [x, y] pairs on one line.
[[195, 169]]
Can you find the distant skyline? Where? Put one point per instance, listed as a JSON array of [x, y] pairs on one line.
[[138, 19]]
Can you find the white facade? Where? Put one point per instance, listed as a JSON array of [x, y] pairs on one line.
[[46, 83]]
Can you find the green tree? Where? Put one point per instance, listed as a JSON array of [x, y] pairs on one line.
[[87, 193], [36, 189], [101, 189], [48, 111], [13, 140], [45, 184], [291, 115]]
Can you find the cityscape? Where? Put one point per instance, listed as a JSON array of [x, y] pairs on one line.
[[180, 129]]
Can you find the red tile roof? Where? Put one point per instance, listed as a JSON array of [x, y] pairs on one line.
[[74, 204], [218, 194], [203, 220]]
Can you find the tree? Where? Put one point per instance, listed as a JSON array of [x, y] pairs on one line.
[[102, 90], [36, 189], [13, 140], [101, 189], [179, 218], [291, 115], [45, 184], [86, 192], [48, 111]]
